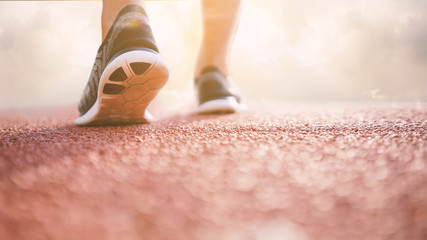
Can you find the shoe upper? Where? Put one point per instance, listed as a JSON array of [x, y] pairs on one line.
[[212, 85], [130, 30]]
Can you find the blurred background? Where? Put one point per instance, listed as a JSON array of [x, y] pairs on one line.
[[284, 50]]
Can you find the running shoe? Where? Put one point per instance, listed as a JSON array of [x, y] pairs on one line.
[[216, 94], [127, 74]]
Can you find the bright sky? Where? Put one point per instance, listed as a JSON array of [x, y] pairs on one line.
[[306, 50]]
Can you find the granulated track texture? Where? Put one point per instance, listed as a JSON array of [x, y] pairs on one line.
[[283, 172]]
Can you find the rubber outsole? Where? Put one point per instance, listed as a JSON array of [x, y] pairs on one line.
[[126, 89]]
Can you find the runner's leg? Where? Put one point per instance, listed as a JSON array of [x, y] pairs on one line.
[[220, 20]]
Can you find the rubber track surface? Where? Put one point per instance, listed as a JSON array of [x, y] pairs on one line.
[[283, 172]]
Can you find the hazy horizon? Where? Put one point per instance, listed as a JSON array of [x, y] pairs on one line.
[[308, 51]]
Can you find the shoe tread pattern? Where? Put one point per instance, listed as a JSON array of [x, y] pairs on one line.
[[136, 92]]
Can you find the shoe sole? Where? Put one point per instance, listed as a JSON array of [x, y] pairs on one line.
[[221, 106], [127, 86]]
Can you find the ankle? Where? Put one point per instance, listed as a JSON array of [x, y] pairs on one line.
[[110, 10], [202, 68]]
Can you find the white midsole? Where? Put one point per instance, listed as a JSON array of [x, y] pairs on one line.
[[228, 104]]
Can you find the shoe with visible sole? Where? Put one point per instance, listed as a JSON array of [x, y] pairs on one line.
[[127, 74], [216, 94]]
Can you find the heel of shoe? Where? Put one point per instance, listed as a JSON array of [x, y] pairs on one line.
[[127, 86]]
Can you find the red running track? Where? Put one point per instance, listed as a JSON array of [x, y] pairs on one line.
[[280, 172]]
